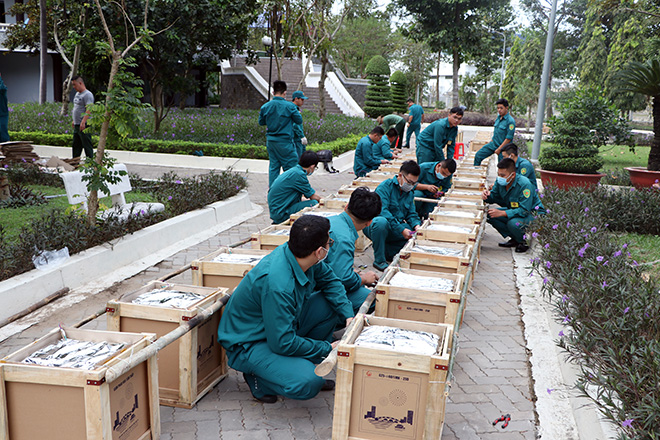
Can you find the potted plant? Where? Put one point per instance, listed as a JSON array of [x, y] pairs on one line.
[[587, 121], [644, 78]]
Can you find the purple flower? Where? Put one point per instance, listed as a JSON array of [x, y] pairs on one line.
[[600, 258], [178, 181], [604, 284], [555, 226], [626, 310], [635, 263], [625, 245], [548, 264], [517, 223], [566, 320], [581, 252], [557, 203], [547, 245], [568, 224], [169, 197], [586, 209], [535, 234], [617, 253], [594, 229], [627, 423], [550, 390], [561, 333], [545, 280], [564, 298], [537, 207]]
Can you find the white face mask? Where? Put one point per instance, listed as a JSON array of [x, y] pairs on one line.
[[326, 255]]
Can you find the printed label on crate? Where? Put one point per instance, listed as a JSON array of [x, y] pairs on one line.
[[129, 404], [415, 311], [387, 403]]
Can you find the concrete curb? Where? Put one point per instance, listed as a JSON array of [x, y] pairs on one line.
[[99, 267], [562, 413]]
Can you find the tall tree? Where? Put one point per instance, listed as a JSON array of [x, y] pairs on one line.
[[523, 71], [43, 51], [592, 61], [455, 27]]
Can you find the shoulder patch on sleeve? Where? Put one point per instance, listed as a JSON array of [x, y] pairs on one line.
[[510, 126], [527, 193], [523, 171]]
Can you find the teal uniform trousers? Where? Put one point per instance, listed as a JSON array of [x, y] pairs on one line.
[[521, 204], [504, 128], [398, 213], [278, 323], [416, 111]]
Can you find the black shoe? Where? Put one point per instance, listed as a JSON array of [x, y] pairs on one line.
[[329, 385], [268, 398], [508, 244], [522, 248]]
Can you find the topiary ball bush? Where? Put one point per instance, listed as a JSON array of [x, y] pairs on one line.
[[583, 160]]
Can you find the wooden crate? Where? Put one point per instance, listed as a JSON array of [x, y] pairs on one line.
[[209, 273], [380, 175], [56, 403], [369, 183], [467, 183], [409, 258], [383, 394], [464, 194], [270, 237], [456, 203], [417, 304], [392, 167], [447, 232], [335, 201], [190, 367], [469, 174], [346, 190], [457, 215], [315, 210]]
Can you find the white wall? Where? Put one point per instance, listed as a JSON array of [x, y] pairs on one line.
[[20, 72]]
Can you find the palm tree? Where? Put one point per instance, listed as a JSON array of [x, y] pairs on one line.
[[644, 78]]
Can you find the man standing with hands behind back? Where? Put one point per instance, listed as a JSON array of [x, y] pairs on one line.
[[81, 140]]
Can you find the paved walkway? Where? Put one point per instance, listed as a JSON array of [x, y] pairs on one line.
[[491, 370]]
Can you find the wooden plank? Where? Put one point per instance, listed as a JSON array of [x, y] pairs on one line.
[[4, 426], [154, 408], [343, 394]]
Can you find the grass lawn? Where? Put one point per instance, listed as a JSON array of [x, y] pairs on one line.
[[644, 249], [619, 156], [13, 219]]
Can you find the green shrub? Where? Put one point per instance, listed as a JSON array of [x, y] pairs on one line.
[[587, 122], [30, 174], [399, 83], [616, 176], [378, 99], [21, 196], [611, 312]]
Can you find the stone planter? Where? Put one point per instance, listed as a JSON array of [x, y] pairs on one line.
[[643, 178], [569, 180]]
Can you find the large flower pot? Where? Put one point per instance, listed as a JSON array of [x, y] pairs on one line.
[[569, 180], [643, 178]]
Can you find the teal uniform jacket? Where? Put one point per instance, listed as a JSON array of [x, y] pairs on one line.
[[428, 177], [432, 141], [504, 128], [279, 115], [520, 200], [267, 306], [525, 168], [4, 113], [364, 160], [398, 206], [382, 150], [286, 193], [390, 121], [342, 257], [416, 111]]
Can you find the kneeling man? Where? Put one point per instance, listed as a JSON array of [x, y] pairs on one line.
[[519, 203], [279, 321], [284, 197]]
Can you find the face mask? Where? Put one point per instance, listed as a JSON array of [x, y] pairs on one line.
[[501, 180], [406, 187], [309, 173], [439, 176], [326, 256]]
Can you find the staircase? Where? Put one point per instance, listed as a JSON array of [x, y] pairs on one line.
[[292, 72]]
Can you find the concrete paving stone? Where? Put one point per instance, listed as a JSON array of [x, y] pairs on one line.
[[321, 416], [244, 435], [302, 428], [502, 372], [324, 433], [513, 393], [231, 420], [280, 434], [166, 414], [462, 408], [291, 413], [208, 429], [463, 431], [178, 427], [194, 414]]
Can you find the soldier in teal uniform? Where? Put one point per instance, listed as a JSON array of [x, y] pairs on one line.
[[434, 181], [284, 197], [364, 160], [4, 113], [503, 131], [415, 113], [362, 207], [519, 205], [382, 150], [299, 139], [279, 321], [398, 218], [431, 143], [396, 122], [279, 115], [523, 166]]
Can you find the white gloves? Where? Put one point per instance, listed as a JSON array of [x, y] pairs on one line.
[[303, 141]]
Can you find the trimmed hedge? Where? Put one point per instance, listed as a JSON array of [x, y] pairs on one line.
[[244, 151]]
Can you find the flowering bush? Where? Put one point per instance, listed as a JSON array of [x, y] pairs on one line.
[[58, 228], [610, 312], [207, 125]]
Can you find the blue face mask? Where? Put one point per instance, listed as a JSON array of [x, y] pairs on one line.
[[504, 181], [439, 175]]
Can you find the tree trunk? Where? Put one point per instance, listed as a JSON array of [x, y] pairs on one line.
[[654, 154], [93, 200], [158, 104], [437, 82], [324, 74], [74, 68], [454, 87], [43, 51]]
